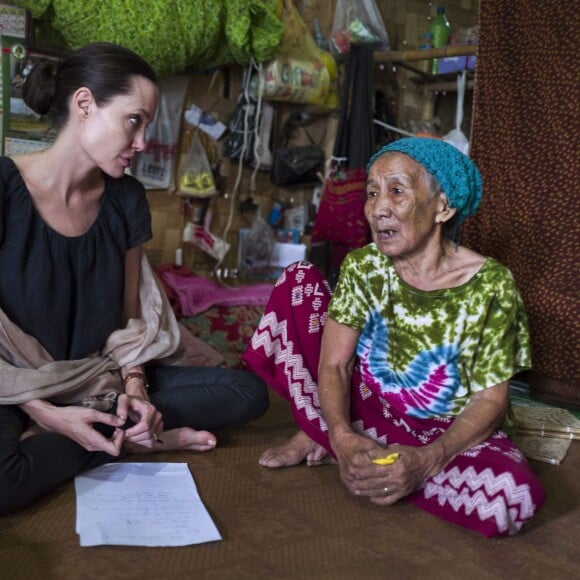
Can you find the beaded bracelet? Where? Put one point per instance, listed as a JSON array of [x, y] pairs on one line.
[[136, 375]]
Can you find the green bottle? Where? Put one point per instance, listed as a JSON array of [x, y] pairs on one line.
[[440, 29]]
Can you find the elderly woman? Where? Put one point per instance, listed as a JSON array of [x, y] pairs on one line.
[[411, 357]]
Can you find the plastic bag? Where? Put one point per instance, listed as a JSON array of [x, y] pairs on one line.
[[456, 137], [357, 22], [299, 73], [200, 236], [154, 167], [259, 244], [195, 175]]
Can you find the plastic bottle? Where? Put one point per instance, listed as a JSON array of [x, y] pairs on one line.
[[425, 65], [440, 29], [320, 40]]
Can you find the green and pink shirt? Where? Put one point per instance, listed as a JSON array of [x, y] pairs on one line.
[[429, 351]]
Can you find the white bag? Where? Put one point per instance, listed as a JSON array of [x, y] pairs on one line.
[[195, 174], [457, 137], [154, 167]]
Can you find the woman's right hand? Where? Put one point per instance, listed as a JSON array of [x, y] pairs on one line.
[[76, 423], [147, 420]]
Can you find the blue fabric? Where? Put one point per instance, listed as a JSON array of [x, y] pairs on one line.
[[458, 176]]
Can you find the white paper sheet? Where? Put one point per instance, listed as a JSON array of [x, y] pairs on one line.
[[141, 504]]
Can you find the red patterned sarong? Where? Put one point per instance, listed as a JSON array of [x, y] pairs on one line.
[[490, 488]]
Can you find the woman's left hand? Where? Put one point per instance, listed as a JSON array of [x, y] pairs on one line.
[[148, 420], [389, 483]]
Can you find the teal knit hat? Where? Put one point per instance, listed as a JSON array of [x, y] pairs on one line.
[[458, 176]]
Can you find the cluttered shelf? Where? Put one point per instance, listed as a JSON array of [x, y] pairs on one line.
[[451, 59], [425, 53]]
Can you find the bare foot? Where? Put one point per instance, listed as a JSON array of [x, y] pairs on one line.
[[297, 449], [182, 439]]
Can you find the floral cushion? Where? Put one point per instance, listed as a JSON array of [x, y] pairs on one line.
[[227, 329]]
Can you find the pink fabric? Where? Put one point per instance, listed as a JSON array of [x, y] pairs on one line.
[[169, 291], [195, 294], [489, 488]]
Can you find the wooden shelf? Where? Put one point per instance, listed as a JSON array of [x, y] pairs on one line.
[[432, 82], [424, 54], [447, 86]]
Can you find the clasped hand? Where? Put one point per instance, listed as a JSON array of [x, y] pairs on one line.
[[77, 423], [382, 484], [147, 420]]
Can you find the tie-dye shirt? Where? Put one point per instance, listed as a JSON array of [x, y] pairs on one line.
[[427, 352]]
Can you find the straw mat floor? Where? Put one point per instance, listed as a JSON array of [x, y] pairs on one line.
[[298, 523]]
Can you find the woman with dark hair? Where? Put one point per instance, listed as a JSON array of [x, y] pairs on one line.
[[84, 325], [407, 387]]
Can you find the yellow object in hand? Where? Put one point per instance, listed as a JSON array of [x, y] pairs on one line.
[[388, 460]]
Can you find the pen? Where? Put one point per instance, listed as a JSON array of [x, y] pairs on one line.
[[388, 460]]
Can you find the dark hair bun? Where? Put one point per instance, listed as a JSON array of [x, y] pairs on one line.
[[39, 87]]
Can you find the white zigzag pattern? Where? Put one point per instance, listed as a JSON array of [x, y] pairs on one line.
[[402, 423], [480, 488], [359, 427], [272, 336]]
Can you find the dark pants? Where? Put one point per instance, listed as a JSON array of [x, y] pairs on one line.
[[201, 398]]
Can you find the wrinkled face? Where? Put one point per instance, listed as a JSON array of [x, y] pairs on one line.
[[399, 207], [113, 133]]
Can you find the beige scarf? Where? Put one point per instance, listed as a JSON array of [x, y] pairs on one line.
[[28, 372]]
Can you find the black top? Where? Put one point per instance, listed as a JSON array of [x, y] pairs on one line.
[[67, 291]]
